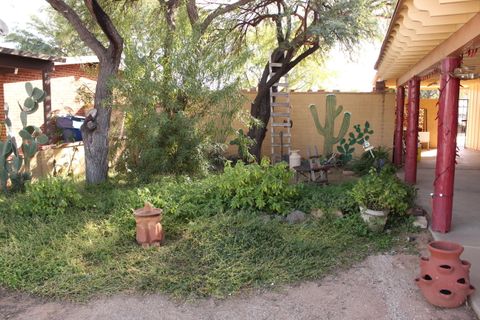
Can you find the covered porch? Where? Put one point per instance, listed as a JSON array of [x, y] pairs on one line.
[[436, 42]]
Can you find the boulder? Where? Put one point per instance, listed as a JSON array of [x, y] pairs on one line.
[[416, 211], [421, 222], [338, 213], [296, 216], [317, 213]]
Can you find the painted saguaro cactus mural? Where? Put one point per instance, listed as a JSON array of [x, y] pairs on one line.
[[328, 129]]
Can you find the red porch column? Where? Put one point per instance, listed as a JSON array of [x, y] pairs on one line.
[[446, 147], [398, 136], [412, 130]]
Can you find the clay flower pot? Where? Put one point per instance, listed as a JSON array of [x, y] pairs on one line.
[[149, 229], [444, 278]]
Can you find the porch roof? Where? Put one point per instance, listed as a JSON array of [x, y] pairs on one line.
[[12, 58], [422, 32]]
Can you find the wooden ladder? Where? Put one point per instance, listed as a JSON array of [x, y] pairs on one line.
[[280, 115]]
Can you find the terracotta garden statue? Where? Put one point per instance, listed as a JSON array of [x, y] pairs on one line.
[[149, 229]]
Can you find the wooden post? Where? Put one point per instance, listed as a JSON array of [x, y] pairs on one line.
[[398, 136], [412, 131], [442, 203], [47, 103], [3, 131]]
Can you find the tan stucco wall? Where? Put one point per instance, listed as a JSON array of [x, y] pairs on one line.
[[377, 108], [473, 117]]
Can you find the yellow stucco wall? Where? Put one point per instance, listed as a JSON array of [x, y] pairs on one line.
[[377, 108], [431, 107], [473, 128]]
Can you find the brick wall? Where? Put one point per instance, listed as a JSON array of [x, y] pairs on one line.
[[65, 81]]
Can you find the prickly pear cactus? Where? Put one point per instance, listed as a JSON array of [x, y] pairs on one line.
[[15, 167], [328, 129], [359, 136]]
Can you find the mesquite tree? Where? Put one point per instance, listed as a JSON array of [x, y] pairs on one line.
[[304, 27], [97, 123]]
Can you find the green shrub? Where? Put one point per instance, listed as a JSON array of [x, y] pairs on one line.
[[382, 190], [48, 197], [332, 197], [381, 159], [162, 144], [258, 187]]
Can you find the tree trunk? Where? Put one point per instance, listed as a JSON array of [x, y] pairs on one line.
[[96, 139], [259, 110]]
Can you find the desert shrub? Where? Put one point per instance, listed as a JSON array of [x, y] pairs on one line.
[[48, 197], [163, 144], [258, 187]]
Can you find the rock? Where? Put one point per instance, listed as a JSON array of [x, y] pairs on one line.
[[296, 216], [317, 213], [265, 217], [348, 173], [416, 211], [338, 213], [421, 222]]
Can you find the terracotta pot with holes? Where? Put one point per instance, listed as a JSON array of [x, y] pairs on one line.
[[444, 277]]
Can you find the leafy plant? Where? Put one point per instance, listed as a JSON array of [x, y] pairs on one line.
[[380, 160], [162, 144], [48, 197], [382, 191], [15, 166], [243, 142], [359, 136], [258, 187]]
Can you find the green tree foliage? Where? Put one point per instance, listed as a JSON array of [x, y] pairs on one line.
[[179, 96]]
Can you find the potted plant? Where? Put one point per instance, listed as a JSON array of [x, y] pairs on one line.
[[378, 194]]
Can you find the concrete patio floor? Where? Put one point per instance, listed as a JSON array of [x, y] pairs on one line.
[[466, 208]]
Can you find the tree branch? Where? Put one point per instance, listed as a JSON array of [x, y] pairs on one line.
[[103, 20], [302, 56], [220, 11], [192, 12], [85, 34]]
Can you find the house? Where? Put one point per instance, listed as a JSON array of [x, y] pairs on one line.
[[60, 78]]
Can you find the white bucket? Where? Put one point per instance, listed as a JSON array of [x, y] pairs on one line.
[[294, 159]]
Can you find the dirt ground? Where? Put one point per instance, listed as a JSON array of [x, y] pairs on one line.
[[381, 288]]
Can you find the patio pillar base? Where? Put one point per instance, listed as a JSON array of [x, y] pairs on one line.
[[442, 203]]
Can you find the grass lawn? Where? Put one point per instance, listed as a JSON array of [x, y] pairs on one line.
[[89, 247]]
